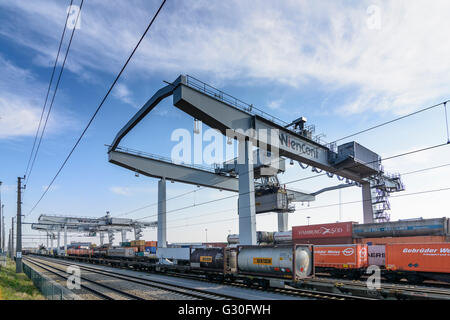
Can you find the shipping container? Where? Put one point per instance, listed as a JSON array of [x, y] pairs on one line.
[[275, 261], [123, 252], [125, 244], [324, 241], [174, 253], [208, 258], [352, 256], [405, 228], [150, 249], [136, 243], [151, 243], [376, 255], [432, 257], [419, 239], [215, 244], [318, 231]]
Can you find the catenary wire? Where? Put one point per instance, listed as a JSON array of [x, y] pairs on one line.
[[98, 108], [393, 120], [48, 90], [54, 93], [297, 180]]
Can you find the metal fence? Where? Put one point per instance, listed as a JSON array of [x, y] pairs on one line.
[[3, 260], [49, 288]]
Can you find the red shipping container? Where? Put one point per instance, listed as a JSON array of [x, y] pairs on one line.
[[431, 257], [352, 256], [328, 230]]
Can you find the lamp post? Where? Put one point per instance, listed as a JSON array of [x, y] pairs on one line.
[[206, 230], [308, 219]]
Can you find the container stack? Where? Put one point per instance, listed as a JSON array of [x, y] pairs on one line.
[[150, 247]]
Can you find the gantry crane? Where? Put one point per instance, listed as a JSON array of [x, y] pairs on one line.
[[254, 173]]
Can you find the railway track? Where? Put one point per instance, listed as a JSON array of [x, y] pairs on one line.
[[288, 292], [393, 287], [338, 289], [178, 289], [90, 288]]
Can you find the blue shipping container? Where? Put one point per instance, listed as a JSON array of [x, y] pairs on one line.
[[150, 249]]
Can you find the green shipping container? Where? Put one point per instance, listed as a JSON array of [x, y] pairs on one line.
[[125, 244]]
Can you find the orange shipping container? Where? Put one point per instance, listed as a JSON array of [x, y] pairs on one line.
[[151, 243], [387, 240], [352, 256], [432, 257]]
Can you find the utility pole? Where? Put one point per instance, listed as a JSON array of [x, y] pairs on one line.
[[12, 237], [10, 244], [1, 220], [19, 226], [3, 227]]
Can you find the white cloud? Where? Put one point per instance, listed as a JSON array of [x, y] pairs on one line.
[[21, 100], [131, 191], [401, 66], [122, 92], [120, 191], [274, 104]]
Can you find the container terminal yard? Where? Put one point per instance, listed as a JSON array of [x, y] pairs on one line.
[[62, 234]]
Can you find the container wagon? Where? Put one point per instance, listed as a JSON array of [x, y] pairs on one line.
[[418, 262], [341, 260]]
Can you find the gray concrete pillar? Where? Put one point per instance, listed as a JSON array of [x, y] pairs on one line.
[[65, 240], [124, 235], [162, 226], [246, 202], [367, 203], [283, 221], [58, 242], [101, 238]]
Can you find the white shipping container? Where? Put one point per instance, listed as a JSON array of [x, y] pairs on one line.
[[174, 253], [376, 255]]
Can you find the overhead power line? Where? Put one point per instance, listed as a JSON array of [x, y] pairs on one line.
[[48, 89], [308, 208], [443, 103], [54, 94], [297, 180], [99, 107]]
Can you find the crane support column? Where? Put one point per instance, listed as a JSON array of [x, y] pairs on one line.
[[367, 203], [283, 222], [101, 238], [124, 235], [58, 243], [246, 202], [162, 226], [65, 240]]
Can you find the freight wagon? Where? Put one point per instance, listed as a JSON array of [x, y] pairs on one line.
[[251, 265], [254, 264], [339, 260], [418, 262]]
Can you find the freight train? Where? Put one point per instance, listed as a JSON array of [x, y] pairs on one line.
[[421, 252], [414, 262], [253, 265]]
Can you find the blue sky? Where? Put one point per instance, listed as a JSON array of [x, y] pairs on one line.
[[322, 60]]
